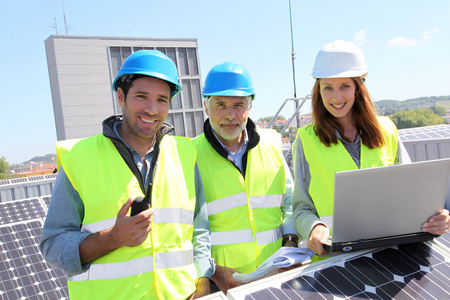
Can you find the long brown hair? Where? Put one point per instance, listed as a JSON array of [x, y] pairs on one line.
[[363, 112]]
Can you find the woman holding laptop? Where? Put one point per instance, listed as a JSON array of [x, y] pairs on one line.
[[346, 134]]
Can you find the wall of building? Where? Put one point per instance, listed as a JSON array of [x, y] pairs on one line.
[[81, 72]]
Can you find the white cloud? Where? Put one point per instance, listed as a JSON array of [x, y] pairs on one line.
[[360, 37], [428, 35], [402, 42]]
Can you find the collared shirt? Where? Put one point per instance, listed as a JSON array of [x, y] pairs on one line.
[[354, 149], [61, 235], [236, 157], [145, 171]]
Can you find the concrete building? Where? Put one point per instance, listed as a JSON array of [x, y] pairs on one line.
[[81, 71]]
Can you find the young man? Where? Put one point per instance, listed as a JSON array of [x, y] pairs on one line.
[[248, 186], [161, 252]]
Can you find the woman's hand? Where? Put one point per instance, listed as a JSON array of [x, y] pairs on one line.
[[318, 238], [438, 224]]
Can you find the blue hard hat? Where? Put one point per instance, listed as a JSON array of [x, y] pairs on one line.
[[151, 63], [228, 79]]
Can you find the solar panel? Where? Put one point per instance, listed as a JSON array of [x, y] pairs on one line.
[[425, 133], [445, 240], [4, 182], [46, 199], [51, 176], [36, 178], [21, 210], [18, 180], [413, 271], [23, 272]]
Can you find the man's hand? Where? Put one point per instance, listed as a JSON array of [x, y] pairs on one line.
[[438, 224], [131, 231], [223, 278], [203, 288], [127, 231], [318, 238]]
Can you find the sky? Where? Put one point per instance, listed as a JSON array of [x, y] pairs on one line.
[[406, 46]]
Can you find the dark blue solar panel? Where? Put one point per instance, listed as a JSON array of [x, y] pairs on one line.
[[24, 273], [46, 200], [21, 210], [413, 271]]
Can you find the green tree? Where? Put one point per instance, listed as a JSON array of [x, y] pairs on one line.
[[416, 118], [4, 168], [439, 110]]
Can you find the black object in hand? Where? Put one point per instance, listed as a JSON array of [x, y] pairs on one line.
[[139, 204]]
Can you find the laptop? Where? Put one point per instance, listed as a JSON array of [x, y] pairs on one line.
[[386, 206]]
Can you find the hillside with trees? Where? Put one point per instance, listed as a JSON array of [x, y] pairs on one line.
[[417, 112], [389, 107]]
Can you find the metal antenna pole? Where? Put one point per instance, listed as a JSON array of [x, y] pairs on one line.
[[64, 15], [55, 26], [293, 64]]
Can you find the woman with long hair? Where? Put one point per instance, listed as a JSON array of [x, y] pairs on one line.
[[346, 134]]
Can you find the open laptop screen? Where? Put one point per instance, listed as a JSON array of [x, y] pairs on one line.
[[388, 201]]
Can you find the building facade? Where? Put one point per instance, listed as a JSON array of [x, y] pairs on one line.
[[82, 69]]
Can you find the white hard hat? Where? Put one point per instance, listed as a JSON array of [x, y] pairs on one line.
[[339, 59]]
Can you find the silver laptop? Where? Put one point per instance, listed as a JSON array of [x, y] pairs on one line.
[[386, 206]]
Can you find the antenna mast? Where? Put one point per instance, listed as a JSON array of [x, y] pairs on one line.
[[66, 27], [293, 64], [55, 26]]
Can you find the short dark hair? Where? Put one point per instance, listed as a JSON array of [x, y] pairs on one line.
[[126, 81]]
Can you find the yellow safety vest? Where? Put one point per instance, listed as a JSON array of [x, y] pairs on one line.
[[162, 266], [325, 161], [244, 213], [62, 148]]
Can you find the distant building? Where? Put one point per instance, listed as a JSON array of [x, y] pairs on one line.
[[304, 120], [36, 170], [81, 71]]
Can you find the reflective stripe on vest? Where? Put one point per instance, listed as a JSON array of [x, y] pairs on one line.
[[244, 213], [233, 201], [136, 266], [160, 215], [166, 256]]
